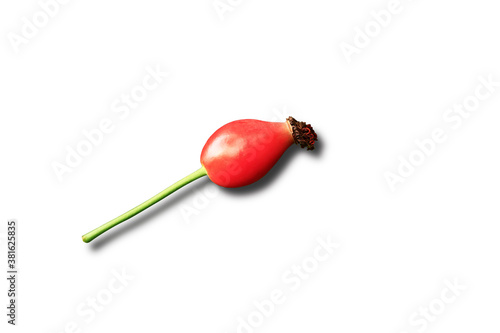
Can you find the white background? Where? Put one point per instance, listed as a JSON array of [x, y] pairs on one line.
[[201, 272]]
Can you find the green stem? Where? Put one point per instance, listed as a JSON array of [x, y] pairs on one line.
[[146, 204]]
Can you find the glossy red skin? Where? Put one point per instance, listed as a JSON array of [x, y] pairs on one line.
[[243, 151]]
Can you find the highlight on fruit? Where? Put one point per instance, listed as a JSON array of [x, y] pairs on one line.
[[237, 154]]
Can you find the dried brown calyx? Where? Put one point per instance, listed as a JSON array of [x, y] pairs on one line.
[[302, 133]]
